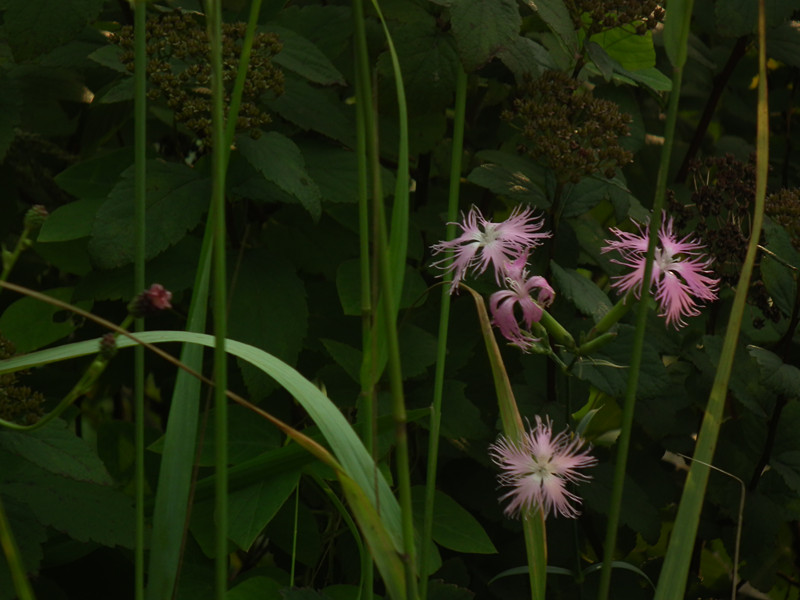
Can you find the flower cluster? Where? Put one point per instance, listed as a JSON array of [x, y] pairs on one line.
[[151, 301], [538, 468], [681, 271], [506, 246]]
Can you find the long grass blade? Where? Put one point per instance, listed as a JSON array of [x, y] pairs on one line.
[[674, 573]]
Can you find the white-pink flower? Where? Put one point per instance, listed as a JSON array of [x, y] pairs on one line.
[[538, 469], [519, 293], [483, 242], [681, 271]]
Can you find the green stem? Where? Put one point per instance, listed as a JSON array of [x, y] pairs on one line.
[[611, 318], [642, 308], [675, 571], [11, 550], [10, 258], [219, 162], [444, 318], [140, 200], [556, 331]]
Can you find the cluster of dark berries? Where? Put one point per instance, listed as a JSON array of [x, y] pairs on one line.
[[601, 15], [719, 210], [570, 131], [18, 403], [179, 70]]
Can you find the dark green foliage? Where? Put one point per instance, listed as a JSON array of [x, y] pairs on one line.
[[564, 113]]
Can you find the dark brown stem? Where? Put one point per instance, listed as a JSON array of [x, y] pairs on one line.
[[719, 83]]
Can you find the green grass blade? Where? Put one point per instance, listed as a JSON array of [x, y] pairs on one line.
[[11, 551], [140, 199], [674, 573]]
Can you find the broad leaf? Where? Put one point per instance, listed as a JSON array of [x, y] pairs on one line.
[[453, 526], [582, 292], [279, 160], [482, 28], [303, 57], [177, 198]]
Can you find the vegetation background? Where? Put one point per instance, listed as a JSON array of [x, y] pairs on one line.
[[565, 106]]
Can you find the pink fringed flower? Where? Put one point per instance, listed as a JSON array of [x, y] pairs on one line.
[[681, 271], [519, 292], [538, 469], [483, 242]]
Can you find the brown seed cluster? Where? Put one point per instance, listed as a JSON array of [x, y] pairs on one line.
[[179, 70], [601, 15], [570, 131], [720, 208], [18, 403]]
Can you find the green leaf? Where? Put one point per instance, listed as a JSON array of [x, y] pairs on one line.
[[453, 526], [439, 590], [254, 588], [34, 27], [316, 109], [482, 28], [71, 221], [95, 178], [303, 57], [632, 51], [582, 292], [460, 417], [555, 14], [252, 508], [346, 356], [735, 18], [272, 317], [511, 175], [784, 44], [348, 282], [58, 450], [780, 378], [279, 160], [335, 170], [429, 62], [84, 511], [526, 58], [177, 198], [31, 324], [778, 278]]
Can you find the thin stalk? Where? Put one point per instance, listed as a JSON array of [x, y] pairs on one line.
[[674, 573], [219, 162], [294, 534], [642, 309], [11, 550], [140, 203], [398, 414], [444, 321], [368, 162]]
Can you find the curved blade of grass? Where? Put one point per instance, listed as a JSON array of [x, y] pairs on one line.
[[11, 551], [674, 573], [346, 446]]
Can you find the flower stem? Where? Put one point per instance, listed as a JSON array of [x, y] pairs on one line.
[[444, 317]]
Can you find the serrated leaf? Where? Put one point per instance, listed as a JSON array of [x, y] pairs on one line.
[[582, 292], [346, 356], [511, 175], [273, 317], [482, 28], [95, 178], [781, 378], [84, 511], [555, 14], [453, 526], [177, 198], [429, 63], [71, 221], [109, 56], [280, 161], [31, 324], [316, 109], [526, 58], [34, 27], [302, 56], [58, 450]]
